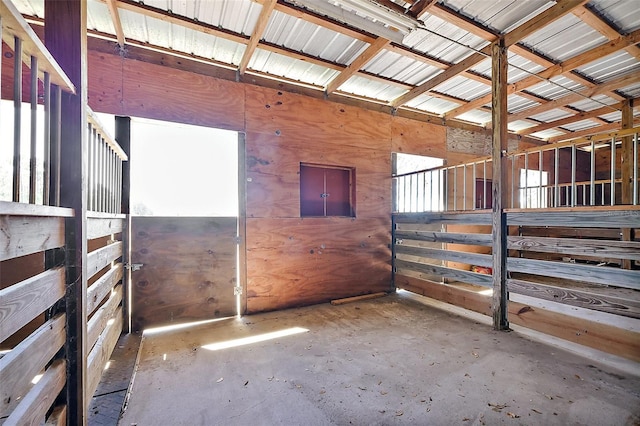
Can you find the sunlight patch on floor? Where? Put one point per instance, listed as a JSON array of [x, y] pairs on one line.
[[254, 339]]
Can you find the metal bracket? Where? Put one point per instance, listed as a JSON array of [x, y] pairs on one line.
[[134, 266], [237, 239], [237, 291]]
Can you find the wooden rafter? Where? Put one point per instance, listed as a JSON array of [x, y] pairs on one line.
[[617, 83], [588, 132], [359, 62], [420, 7], [599, 24], [117, 24], [258, 31], [539, 21], [555, 70], [573, 119]]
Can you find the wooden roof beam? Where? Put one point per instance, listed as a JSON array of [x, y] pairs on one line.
[[359, 62], [534, 24], [617, 125], [600, 24], [420, 7], [617, 83], [568, 120], [117, 24], [258, 31], [555, 70]]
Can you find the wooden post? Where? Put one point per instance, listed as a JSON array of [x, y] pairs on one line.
[[626, 170], [123, 137], [242, 221], [499, 159], [66, 39]]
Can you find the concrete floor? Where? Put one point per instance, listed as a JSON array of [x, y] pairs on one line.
[[387, 361]]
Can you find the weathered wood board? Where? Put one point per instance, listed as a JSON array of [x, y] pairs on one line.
[[188, 272], [295, 262]]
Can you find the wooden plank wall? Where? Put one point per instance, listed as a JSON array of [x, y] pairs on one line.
[[290, 261]]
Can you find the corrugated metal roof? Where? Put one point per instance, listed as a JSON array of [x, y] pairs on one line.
[[559, 41], [366, 87], [402, 68], [625, 13], [564, 38], [580, 125]]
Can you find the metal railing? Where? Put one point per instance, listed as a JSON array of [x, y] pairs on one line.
[[581, 172]]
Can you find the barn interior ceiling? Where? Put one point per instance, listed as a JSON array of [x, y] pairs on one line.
[[573, 64]]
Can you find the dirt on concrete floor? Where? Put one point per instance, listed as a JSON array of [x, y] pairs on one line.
[[386, 361]]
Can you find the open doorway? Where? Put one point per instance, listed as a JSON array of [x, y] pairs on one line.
[[185, 244]]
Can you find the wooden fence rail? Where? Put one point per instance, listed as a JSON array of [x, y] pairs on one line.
[[575, 257]]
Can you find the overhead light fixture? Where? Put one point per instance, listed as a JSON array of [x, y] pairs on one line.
[[403, 23], [365, 15]]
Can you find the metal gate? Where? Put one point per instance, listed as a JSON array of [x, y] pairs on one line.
[[183, 269]]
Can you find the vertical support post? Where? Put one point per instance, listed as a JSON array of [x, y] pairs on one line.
[[498, 155], [628, 169], [33, 146], [473, 188], [613, 171], [484, 184], [242, 222], [66, 39], [17, 116], [574, 192], [455, 187], [123, 137], [464, 187], [47, 140], [556, 170], [592, 177]]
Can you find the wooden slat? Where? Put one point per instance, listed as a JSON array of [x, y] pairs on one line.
[[451, 255], [34, 406], [593, 274], [117, 23], [13, 24], [611, 249], [25, 361], [561, 232], [98, 322], [93, 119], [101, 352], [573, 297], [98, 259], [574, 328], [445, 218], [103, 285], [23, 235], [456, 274], [58, 416], [97, 228], [577, 219], [446, 237], [23, 209], [22, 302]]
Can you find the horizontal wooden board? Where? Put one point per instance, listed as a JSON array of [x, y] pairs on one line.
[[34, 406], [295, 262], [188, 272], [23, 235], [24, 301], [98, 259], [98, 322], [452, 255], [564, 232], [102, 351], [593, 248], [100, 227], [24, 209], [467, 218], [102, 287], [592, 274], [273, 174], [446, 237], [443, 271], [298, 117], [25, 361], [584, 299], [597, 335], [589, 218]]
